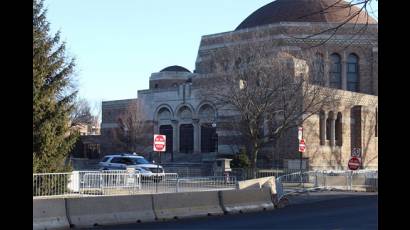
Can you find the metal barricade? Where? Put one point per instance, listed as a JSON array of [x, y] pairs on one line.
[[120, 182], [362, 180]]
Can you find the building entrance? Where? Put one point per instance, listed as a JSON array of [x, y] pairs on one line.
[[186, 138]]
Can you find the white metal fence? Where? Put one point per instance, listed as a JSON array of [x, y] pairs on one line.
[[247, 173], [188, 171], [362, 180], [120, 182]]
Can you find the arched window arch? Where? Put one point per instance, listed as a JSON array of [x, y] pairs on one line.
[[353, 73], [206, 113], [164, 114], [339, 129], [335, 74], [185, 113], [318, 70]]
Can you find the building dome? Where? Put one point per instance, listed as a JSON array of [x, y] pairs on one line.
[[328, 11], [175, 68]]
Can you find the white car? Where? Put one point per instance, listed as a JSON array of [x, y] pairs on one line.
[[123, 161]]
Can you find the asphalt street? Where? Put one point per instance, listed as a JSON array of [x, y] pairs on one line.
[[320, 210]]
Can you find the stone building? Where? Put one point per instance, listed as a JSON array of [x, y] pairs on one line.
[[173, 104]]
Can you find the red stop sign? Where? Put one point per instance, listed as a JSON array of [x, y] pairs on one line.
[[354, 163], [302, 146], [159, 143]]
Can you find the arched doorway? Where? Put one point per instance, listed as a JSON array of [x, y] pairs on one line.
[[209, 138], [356, 128], [186, 138], [167, 130]]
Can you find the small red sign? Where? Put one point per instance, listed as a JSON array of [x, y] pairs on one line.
[[159, 143], [354, 163], [302, 146]]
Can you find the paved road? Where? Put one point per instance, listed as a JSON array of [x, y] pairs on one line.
[[322, 210]]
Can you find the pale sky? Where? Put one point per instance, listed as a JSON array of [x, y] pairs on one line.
[[119, 43]]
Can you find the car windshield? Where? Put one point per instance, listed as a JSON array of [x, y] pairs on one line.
[[139, 160]]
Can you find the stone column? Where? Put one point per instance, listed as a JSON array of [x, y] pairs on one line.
[[344, 71], [175, 135], [199, 137], [332, 130], [322, 122], [195, 123], [156, 127]]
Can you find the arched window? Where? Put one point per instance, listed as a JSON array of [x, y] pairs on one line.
[[328, 125], [335, 74], [318, 70], [353, 73], [339, 130]]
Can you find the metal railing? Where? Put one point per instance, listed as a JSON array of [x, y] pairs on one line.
[[120, 182], [247, 173], [362, 180], [188, 171]]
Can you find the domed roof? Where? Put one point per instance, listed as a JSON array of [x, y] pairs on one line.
[[175, 68], [305, 11]]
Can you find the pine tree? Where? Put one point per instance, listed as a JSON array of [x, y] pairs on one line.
[[53, 96]]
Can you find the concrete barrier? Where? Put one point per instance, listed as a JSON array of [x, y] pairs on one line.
[[237, 201], [186, 204], [363, 184], [270, 183], [93, 211], [336, 181], [254, 183], [49, 214]]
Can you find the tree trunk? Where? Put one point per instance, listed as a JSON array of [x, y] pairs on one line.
[[253, 162], [275, 151]]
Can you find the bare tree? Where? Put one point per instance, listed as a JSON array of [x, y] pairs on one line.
[[97, 110], [132, 130], [82, 113], [267, 91]]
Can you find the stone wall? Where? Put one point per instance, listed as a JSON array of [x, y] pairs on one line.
[[336, 156]]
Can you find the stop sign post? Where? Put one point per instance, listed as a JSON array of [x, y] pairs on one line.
[[159, 145], [302, 149], [354, 163]]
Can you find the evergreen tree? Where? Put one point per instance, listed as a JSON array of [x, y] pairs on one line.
[[53, 96]]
